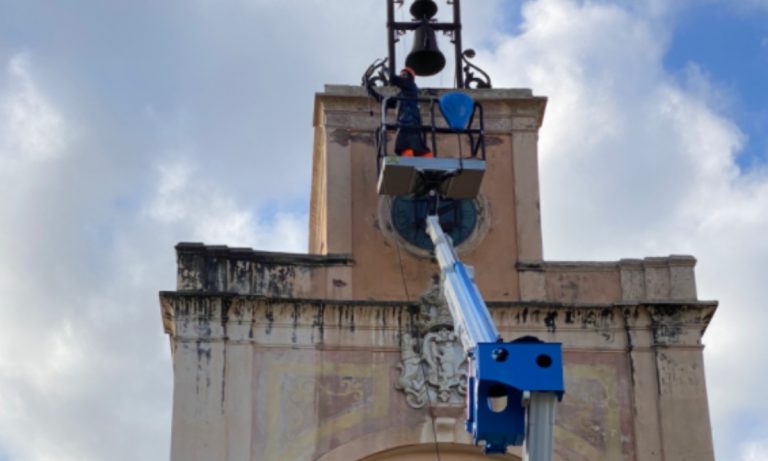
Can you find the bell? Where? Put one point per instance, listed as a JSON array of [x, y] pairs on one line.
[[421, 9], [425, 58]]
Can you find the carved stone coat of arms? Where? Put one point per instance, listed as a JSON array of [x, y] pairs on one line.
[[433, 369]]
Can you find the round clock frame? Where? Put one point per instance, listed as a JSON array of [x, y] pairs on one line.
[[466, 235]]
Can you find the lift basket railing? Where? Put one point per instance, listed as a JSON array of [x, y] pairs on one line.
[[474, 130]]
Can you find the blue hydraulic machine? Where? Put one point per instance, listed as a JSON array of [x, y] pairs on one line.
[[512, 387]]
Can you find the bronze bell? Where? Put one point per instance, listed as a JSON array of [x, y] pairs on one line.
[[421, 9], [425, 58]]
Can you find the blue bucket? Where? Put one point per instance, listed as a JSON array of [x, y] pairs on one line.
[[456, 108]]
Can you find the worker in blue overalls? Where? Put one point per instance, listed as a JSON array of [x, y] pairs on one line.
[[409, 141]]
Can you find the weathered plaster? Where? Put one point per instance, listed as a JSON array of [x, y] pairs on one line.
[[298, 345]]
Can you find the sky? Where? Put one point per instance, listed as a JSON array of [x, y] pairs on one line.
[[126, 127]]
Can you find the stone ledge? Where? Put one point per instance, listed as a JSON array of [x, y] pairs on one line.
[[373, 324], [249, 254], [357, 91]]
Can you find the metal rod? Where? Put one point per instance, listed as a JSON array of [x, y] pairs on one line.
[[437, 26], [391, 37], [383, 150], [457, 43], [434, 129]]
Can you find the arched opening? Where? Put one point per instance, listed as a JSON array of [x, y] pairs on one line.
[[403, 443], [429, 452]]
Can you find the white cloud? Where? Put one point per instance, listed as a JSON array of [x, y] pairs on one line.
[[699, 84], [635, 164], [85, 372], [168, 204], [183, 197], [755, 452], [30, 127]]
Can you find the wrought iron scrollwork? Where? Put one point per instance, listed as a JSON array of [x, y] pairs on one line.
[[377, 74], [481, 81]]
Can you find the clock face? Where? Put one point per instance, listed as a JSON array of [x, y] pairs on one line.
[[458, 218]]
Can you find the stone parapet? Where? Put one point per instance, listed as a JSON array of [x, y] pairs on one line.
[[221, 269], [669, 278], [653, 279]]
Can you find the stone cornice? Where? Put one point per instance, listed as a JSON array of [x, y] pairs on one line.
[[340, 106], [673, 324], [273, 321]]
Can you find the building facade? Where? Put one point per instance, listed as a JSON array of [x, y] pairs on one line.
[[347, 352]]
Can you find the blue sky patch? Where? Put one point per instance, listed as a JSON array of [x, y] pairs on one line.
[[731, 46]]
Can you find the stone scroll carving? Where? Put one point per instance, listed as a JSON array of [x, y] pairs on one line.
[[433, 369]]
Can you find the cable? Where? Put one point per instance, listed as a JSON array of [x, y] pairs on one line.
[[402, 273], [421, 361]]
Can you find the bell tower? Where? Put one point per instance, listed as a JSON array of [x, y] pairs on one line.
[[495, 232], [348, 352]]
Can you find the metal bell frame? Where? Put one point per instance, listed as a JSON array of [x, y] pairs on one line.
[[396, 28]]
